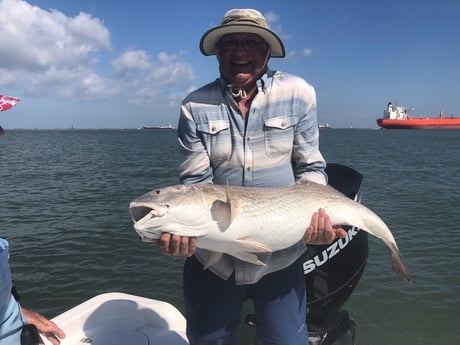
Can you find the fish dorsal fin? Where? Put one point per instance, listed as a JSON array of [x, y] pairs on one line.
[[232, 204]]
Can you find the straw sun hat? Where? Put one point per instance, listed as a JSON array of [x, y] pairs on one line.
[[246, 21]]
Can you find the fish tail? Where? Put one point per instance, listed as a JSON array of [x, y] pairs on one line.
[[398, 265]]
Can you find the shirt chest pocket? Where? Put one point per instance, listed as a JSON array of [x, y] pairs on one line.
[[279, 135], [217, 139]]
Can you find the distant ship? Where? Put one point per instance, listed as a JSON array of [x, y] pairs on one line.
[[161, 128], [396, 117]]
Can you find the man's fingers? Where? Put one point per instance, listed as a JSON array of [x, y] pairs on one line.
[[176, 245]]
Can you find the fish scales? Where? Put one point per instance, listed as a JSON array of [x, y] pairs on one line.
[[244, 221]]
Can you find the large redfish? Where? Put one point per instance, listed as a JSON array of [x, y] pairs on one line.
[[243, 221]]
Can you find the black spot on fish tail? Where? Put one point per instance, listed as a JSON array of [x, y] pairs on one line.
[[398, 265]]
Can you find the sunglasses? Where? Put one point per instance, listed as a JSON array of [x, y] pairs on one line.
[[250, 44]]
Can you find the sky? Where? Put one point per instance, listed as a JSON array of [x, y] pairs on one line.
[[126, 64]]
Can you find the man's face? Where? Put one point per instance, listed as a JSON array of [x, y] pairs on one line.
[[242, 58]]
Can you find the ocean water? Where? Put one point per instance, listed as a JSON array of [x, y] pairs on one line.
[[64, 198]]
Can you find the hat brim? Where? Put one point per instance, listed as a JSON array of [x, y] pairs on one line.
[[208, 42]]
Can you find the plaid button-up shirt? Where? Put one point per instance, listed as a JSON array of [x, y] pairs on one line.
[[275, 145]]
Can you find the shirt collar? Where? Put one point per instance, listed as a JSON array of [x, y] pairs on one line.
[[262, 83]]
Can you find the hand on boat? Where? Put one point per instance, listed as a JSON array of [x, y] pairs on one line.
[[45, 327], [176, 245], [321, 230]]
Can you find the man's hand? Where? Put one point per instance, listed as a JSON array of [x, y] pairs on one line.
[[44, 326], [177, 245], [321, 230]]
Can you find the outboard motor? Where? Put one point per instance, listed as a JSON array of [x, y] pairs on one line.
[[333, 271]]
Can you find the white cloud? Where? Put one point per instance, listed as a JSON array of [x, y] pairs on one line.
[[6, 77], [46, 53], [38, 39], [131, 63], [169, 69], [273, 23], [152, 78], [307, 51]]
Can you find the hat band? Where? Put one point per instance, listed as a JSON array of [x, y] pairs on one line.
[[233, 21]]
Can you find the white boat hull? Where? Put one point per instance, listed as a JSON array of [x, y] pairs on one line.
[[122, 319]]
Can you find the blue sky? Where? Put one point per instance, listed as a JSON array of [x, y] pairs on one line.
[[125, 64]]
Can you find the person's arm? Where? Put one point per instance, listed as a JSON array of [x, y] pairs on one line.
[[308, 162], [45, 327], [194, 163], [309, 165]]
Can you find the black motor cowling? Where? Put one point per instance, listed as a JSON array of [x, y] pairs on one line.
[[333, 271]]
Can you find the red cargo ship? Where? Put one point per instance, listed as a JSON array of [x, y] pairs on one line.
[[396, 117]]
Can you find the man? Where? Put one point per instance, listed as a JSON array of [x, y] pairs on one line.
[[14, 320], [250, 127]]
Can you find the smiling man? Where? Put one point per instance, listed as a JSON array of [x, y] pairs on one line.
[[250, 127]]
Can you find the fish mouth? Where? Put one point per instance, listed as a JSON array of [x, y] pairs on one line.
[[139, 212], [142, 214]]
